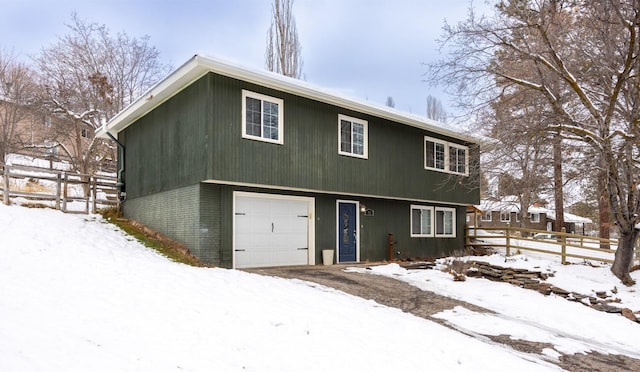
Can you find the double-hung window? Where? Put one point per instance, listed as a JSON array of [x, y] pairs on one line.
[[262, 117], [446, 157], [435, 154], [445, 222], [421, 221], [352, 136], [457, 159], [505, 216], [433, 221]]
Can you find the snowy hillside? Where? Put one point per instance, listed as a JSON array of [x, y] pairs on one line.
[[77, 294]]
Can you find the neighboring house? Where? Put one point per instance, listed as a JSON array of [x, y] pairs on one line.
[[41, 135], [499, 213], [248, 168]]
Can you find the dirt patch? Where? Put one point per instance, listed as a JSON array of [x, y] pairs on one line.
[[383, 290], [395, 293], [596, 362]]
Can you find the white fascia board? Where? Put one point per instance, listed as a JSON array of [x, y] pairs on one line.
[[198, 66]]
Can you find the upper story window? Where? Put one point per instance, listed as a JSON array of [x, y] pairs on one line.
[[446, 157], [457, 159], [505, 216], [262, 117], [534, 217], [352, 136], [421, 221]]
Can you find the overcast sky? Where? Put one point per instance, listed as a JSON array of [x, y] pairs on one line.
[[366, 49]]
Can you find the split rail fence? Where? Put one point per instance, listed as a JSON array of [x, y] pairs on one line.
[[565, 245], [66, 191]]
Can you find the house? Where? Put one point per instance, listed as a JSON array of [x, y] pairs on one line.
[[248, 168], [40, 134], [499, 213]]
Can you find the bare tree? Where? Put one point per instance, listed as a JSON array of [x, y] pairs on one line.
[[284, 53], [435, 109], [581, 59], [390, 102], [517, 156], [87, 77], [17, 97]]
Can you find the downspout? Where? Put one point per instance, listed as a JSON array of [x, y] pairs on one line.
[[122, 193]]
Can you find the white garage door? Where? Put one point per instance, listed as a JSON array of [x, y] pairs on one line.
[[271, 231]]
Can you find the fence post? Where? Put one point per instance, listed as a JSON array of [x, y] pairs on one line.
[[58, 189], [64, 192], [94, 193], [5, 192], [86, 187], [563, 241], [508, 239]]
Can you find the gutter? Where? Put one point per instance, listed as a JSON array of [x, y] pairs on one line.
[[122, 193]]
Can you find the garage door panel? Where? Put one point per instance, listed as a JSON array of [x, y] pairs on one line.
[[271, 232]]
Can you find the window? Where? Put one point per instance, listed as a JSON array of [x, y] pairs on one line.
[[445, 222], [446, 157], [435, 152], [486, 216], [85, 133], [534, 217], [457, 159], [262, 117], [50, 147], [421, 221], [505, 216], [352, 137]]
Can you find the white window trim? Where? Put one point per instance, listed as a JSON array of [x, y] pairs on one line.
[[466, 158], [262, 97], [485, 215], [502, 214], [453, 221], [422, 207], [447, 145], [536, 219], [365, 144]]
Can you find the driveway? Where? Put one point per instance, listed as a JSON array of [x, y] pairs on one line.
[[394, 293]]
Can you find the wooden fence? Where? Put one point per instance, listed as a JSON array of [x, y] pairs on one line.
[[66, 191], [561, 244]]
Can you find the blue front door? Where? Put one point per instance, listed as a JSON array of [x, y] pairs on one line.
[[347, 231]]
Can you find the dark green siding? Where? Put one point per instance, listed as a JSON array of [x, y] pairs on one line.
[[309, 157], [166, 148], [390, 216], [195, 137]]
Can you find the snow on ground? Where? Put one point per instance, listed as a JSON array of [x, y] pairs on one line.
[[77, 294], [528, 315]]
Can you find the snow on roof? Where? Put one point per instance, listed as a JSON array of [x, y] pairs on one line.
[[568, 217], [199, 65], [511, 204]]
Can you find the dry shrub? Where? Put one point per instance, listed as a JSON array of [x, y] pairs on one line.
[[457, 267]]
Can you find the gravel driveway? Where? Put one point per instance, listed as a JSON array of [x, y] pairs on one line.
[[395, 293]]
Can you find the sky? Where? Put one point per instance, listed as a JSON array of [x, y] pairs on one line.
[[365, 49], [78, 294]]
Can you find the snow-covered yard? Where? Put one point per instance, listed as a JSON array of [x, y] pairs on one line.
[[77, 294]]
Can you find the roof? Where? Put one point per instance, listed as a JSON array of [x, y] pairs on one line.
[[509, 204], [198, 65]]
